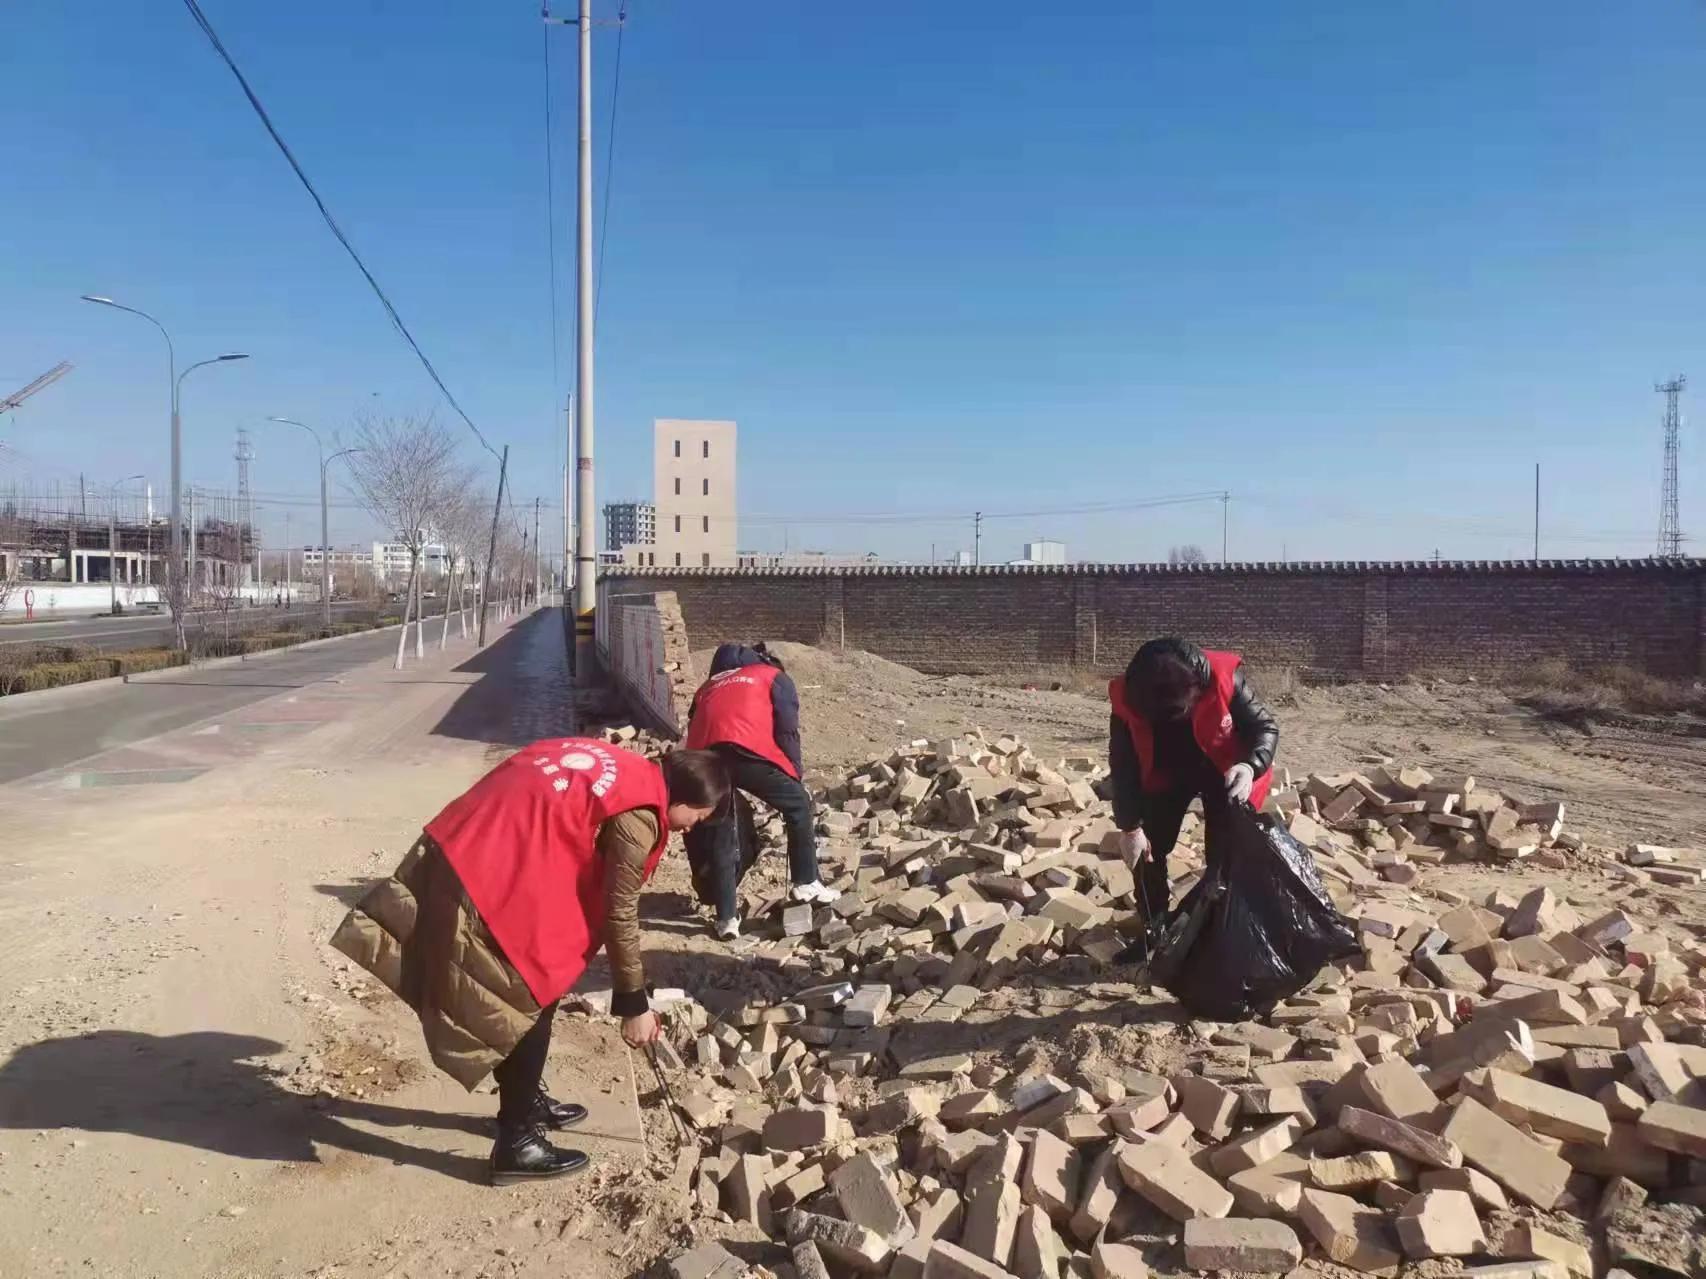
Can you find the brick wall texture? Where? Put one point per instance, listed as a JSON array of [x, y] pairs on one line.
[[1345, 621]]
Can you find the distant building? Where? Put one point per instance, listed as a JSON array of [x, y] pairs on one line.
[[693, 479], [805, 559], [1043, 553], [629, 524], [388, 561], [962, 559], [341, 557]]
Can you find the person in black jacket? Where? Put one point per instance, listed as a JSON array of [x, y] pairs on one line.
[[1184, 725], [758, 736]]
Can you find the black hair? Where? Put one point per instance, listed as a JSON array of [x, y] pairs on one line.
[[768, 656], [1168, 662], [698, 779]]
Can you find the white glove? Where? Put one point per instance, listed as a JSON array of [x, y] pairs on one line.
[[1240, 779], [1134, 847]]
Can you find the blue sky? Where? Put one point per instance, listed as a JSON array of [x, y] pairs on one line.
[[1360, 265]]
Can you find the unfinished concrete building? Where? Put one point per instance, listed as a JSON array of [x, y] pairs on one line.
[[77, 539]]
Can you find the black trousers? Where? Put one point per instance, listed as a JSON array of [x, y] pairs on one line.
[[1163, 815], [521, 1074], [788, 796]]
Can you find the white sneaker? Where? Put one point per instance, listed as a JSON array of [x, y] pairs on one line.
[[728, 929], [816, 891]]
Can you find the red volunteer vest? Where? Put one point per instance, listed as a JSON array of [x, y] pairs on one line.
[[523, 841], [1211, 725], [734, 707]]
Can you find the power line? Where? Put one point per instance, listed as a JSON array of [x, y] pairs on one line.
[[944, 517], [326, 214], [609, 164]]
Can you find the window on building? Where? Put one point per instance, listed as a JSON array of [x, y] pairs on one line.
[[707, 527], [705, 560], [705, 487], [678, 559], [678, 486], [678, 448], [678, 524], [707, 447]]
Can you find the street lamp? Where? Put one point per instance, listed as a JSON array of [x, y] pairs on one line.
[[325, 535], [174, 569], [327, 554], [112, 537]]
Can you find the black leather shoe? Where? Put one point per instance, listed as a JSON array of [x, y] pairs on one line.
[[525, 1155], [557, 1115]]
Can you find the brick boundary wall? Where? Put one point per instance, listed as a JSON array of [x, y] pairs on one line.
[[1350, 620]]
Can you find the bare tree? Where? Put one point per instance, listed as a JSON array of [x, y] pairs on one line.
[[407, 475], [459, 529], [1190, 553], [222, 599]]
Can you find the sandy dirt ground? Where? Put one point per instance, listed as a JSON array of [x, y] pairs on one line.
[[193, 1084]]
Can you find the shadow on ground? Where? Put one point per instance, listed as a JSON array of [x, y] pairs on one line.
[[523, 693], [210, 1091], [349, 894]]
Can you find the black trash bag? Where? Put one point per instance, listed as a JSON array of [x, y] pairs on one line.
[[1256, 928], [701, 844]]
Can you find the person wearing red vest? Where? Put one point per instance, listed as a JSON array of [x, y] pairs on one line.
[[748, 712], [1184, 725], [505, 899]]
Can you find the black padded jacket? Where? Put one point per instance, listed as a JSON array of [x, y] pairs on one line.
[[1251, 720]]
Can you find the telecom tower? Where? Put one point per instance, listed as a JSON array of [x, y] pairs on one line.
[[1670, 525], [246, 502]]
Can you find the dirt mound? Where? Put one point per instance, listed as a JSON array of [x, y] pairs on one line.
[[855, 705]]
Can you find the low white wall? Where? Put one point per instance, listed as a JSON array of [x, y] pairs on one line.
[[63, 599]]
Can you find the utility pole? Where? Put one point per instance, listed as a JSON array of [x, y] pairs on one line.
[[586, 547], [246, 498], [538, 564], [568, 538], [287, 586], [189, 594], [521, 576], [492, 550], [1670, 523], [1225, 507], [1537, 512], [977, 539], [112, 549]]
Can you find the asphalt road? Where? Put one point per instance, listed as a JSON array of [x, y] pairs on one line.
[[149, 630], [59, 728]]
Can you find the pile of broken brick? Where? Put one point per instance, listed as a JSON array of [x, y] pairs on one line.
[[1498, 1082]]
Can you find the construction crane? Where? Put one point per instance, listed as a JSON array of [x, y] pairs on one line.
[[46, 380]]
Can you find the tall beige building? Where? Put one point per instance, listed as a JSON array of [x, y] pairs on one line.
[[693, 478]]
